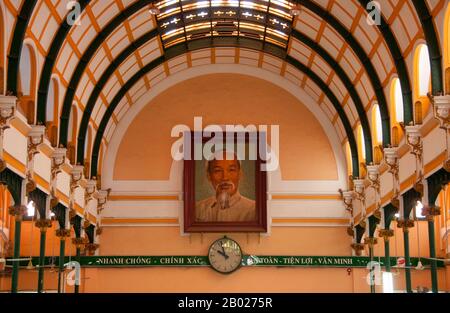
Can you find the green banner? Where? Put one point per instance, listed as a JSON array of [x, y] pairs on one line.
[[247, 260]]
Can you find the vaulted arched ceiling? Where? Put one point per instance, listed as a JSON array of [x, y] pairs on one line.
[[329, 49]]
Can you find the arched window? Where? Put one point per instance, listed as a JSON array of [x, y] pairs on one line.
[[377, 155], [377, 127], [87, 144], [2, 54], [361, 144], [52, 101], [71, 133], [27, 82], [418, 112], [397, 101], [422, 69], [51, 114], [70, 128], [348, 155], [102, 151], [27, 71], [396, 111]]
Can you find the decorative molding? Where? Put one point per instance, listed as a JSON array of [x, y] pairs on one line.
[[305, 197], [175, 222], [143, 197]]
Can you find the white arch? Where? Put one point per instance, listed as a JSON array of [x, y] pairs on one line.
[[300, 94]]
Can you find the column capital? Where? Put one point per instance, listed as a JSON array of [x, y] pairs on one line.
[[405, 224], [63, 233], [43, 224], [80, 243], [430, 211], [8, 105], [358, 247], [18, 211], [91, 247], [395, 202], [35, 138], [371, 241], [441, 105], [386, 233]]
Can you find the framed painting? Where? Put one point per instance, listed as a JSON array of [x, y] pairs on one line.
[[224, 184]]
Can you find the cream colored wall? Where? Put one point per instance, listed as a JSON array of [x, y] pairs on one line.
[[225, 99]]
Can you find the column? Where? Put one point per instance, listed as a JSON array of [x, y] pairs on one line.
[[42, 224], [430, 212], [62, 234], [18, 212]]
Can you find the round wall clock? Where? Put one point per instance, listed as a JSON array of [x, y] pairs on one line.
[[225, 255]]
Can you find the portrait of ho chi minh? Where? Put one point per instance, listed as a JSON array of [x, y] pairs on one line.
[[224, 173]]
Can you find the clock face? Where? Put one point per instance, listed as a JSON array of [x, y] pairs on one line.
[[225, 255]]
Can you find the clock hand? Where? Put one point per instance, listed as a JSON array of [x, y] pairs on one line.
[[223, 249], [223, 254]]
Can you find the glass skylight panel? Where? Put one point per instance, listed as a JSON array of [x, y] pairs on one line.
[[263, 20]]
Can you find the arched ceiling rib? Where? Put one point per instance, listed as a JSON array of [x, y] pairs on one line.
[[20, 28], [375, 47], [434, 48], [89, 53], [399, 61], [344, 80], [224, 55], [49, 63], [86, 57], [159, 61]]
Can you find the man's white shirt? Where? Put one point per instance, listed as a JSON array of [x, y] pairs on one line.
[[241, 209]]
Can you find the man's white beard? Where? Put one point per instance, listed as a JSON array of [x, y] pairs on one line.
[[223, 198]]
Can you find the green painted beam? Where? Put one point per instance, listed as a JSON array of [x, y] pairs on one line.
[[322, 85], [41, 261], [86, 58], [108, 261], [364, 59], [387, 255], [400, 64], [15, 51], [50, 59], [182, 48], [62, 247], [329, 18], [343, 76], [15, 272], [407, 261], [434, 48], [101, 84], [432, 243]]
